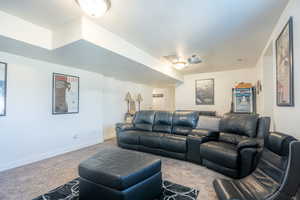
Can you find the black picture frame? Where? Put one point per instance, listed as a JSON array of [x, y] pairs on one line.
[[290, 59], [209, 94], [53, 94], [5, 89]]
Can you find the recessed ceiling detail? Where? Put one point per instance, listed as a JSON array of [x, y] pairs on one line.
[[225, 31], [122, 59]]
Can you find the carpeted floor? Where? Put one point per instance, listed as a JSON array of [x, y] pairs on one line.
[[30, 181]]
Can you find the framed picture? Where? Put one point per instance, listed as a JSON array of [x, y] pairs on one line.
[[3, 86], [65, 94], [284, 66], [205, 92]]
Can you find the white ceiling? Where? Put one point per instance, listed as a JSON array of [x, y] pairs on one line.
[[220, 31]]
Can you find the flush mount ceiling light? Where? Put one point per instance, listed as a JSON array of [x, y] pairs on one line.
[[180, 65], [94, 8]]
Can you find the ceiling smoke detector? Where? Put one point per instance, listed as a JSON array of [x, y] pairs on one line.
[[94, 8]]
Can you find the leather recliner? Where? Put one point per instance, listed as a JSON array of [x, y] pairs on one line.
[[276, 177], [237, 148]]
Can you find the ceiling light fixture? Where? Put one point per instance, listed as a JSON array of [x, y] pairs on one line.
[[180, 65], [94, 8]]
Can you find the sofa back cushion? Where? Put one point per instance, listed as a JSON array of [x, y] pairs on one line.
[[184, 121], [245, 125], [208, 123], [144, 120], [278, 143], [163, 121]]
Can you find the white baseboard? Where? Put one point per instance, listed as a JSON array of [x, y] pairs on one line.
[[42, 156]]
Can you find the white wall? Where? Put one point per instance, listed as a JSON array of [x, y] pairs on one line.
[[286, 119], [30, 132], [167, 102], [224, 82], [114, 105]]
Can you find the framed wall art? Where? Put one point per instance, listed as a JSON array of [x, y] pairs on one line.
[[3, 87], [284, 66], [65, 94], [205, 92]]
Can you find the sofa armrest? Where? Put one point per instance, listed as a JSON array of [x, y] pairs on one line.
[[249, 152], [193, 147], [249, 143], [203, 132], [249, 158], [124, 127]]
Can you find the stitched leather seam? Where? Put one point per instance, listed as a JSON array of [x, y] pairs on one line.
[[237, 189]]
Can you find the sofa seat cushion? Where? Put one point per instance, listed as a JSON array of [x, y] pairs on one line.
[[119, 169], [174, 143], [221, 153], [151, 139], [131, 137]]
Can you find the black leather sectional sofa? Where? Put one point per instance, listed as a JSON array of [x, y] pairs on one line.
[[232, 150]]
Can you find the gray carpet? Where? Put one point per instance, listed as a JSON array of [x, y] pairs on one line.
[[30, 181]]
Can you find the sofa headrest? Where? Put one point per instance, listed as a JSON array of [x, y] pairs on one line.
[[240, 124], [185, 118], [144, 117], [163, 121], [163, 118], [279, 143]]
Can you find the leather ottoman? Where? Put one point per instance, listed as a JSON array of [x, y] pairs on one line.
[[117, 174]]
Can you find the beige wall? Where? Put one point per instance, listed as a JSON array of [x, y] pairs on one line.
[[224, 81], [285, 119], [167, 102], [36, 133]]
